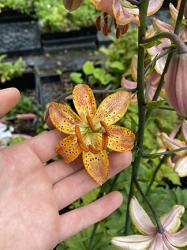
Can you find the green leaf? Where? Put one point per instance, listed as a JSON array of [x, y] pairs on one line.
[[102, 76], [76, 77], [88, 68], [117, 65], [155, 104]]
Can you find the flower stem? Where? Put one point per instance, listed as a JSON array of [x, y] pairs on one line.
[[141, 102], [157, 220], [176, 31], [168, 153], [173, 37], [155, 174]]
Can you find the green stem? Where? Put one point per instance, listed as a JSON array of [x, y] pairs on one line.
[[155, 174], [168, 153], [157, 220], [141, 103], [173, 37], [176, 31], [97, 224]]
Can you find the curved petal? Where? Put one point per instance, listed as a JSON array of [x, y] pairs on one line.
[[173, 12], [157, 244], [122, 15], [120, 139], [167, 244], [97, 165], [104, 5], [161, 26], [68, 148], [153, 7], [113, 107], [172, 220], [84, 100], [181, 166], [173, 144], [134, 68], [178, 239], [133, 242], [140, 218], [62, 117], [127, 83], [184, 130], [160, 64]]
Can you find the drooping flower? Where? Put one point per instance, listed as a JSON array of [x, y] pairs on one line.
[[121, 13], [161, 26], [175, 85], [150, 238], [90, 132], [72, 4], [177, 161]]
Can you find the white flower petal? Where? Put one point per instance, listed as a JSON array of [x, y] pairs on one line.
[[178, 239], [157, 244], [184, 129], [181, 166], [140, 218], [133, 242], [172, 220]]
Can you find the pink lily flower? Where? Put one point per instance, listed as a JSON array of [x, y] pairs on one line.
[[150, 238], [122, 13], [179, 160]]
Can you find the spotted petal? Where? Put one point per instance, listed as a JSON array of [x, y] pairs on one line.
[[68, 148], [62, 117], [140, 218], [133, 242], [120, 139], [113, 107], [172, 220], [181, 166], [178, 239], [84, 100], [97, 165]]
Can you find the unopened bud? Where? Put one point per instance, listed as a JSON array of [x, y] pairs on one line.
[[176, 83], [72, 4]]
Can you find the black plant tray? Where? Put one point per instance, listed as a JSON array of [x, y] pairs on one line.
[[17, 37], [9, 15], [80, 37]]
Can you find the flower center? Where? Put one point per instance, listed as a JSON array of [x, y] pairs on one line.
[[89, 135]]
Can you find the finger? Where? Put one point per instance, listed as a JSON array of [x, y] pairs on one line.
[[8, 99], [82, 218], [44, 145], [71, 188], [59, 170]]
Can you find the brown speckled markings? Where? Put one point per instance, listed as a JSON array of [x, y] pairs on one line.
[[63, 117], [113, 107], [121, 139], [97, 165], [84, 101], [68, 148]]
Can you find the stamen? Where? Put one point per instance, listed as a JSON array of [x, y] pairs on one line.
[[90, 123], [105, 29], [93, 150], [104, 125], [105, 141], [105, 18], [80, 140], [98, 23], [125, 29], [118, 32]]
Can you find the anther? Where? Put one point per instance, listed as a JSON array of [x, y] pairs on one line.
[[80, 140], [93, 150], [90, 123]]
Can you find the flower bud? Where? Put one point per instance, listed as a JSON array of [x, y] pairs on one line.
[[72, 4], [176, 83]]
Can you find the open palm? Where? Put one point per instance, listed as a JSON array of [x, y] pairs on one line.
[[32, 192]]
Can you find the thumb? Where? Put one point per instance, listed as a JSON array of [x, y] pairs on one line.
[[8, 99]]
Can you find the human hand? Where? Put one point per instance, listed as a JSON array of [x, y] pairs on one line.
[[32, 193]]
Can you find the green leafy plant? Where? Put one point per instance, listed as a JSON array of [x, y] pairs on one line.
[[9, 70]]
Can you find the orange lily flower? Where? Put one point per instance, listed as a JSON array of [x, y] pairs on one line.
[[90, 132]]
